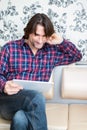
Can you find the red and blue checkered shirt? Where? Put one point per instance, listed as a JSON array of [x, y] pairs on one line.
[[18, 62]]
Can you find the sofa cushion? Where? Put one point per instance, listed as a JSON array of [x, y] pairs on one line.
[[74, 83], [57, 116], [77, 117], [4, 124], [50, 94]]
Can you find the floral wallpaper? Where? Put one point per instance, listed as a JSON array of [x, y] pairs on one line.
[[68, 16]]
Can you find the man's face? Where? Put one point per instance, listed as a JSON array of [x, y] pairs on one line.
[[36, 41]]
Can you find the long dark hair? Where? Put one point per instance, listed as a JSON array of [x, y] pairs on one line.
[[41, 19]]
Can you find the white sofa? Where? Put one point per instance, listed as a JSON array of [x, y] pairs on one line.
[[67, 109]]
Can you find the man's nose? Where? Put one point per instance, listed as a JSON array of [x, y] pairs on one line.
[[40, 39]]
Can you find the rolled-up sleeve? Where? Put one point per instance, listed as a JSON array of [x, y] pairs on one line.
[[67, 53]]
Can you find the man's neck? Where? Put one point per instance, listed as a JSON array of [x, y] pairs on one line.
[[33, 49]]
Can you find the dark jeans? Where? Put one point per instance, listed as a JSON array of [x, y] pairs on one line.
[[26, 109]]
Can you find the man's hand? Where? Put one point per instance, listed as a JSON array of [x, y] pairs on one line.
[[54, 39], [12, 88]]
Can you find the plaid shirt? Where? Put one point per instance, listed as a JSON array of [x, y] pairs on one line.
[[18, 62]]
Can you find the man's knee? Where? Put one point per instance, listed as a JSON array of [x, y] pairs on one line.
[[39, 100], [19, 120]]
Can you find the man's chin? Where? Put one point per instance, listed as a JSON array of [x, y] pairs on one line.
[[39, 47]]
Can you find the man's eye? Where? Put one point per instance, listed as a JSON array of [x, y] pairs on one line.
[[44, 36], [36, 34]]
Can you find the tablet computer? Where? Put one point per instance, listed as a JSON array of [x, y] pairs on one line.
[[40, 86]]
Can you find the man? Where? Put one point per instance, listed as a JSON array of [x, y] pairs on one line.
[[31, 58]]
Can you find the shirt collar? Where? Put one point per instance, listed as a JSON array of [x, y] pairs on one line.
[[43, 50]]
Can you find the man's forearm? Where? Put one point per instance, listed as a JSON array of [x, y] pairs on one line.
[[70, 50]]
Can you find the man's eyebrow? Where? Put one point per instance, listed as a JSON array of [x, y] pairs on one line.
[[39, 34], [36, 33]]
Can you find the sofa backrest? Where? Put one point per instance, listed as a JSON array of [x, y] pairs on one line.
[[58, 73], [74, 83]]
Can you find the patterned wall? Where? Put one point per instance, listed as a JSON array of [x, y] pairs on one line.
[[68, 16]]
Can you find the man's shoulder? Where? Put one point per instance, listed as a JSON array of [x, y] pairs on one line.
[[18, 41], [12, 43]]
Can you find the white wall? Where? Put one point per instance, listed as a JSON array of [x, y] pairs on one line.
[[68, 16]]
